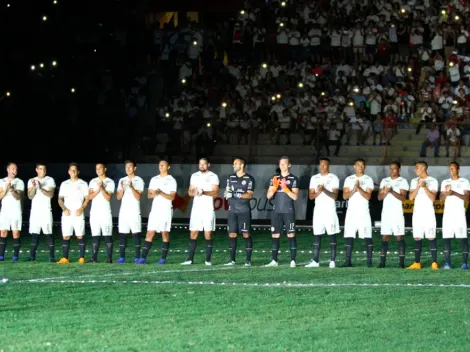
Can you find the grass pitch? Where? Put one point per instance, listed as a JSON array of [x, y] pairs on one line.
[[103, 307]]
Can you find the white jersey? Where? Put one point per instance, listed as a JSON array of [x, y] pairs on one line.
[[10, 203], [454, 206], [423, 204], [99, 204], [204, 181], [41, 202], [391, 204], [357, 203], [329, 182], [129, 204], [166, 185], [74, 194]]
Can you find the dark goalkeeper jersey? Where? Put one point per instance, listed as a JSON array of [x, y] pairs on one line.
[[240, 185], [282, 202]]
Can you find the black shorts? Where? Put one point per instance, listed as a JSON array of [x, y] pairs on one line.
[[281, 221], [239, 222]]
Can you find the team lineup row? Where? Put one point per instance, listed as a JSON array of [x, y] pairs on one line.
[[75, 195]]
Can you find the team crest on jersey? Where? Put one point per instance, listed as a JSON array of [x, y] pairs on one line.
[[243, 182]]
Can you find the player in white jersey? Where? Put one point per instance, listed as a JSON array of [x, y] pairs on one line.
[[11, 191], [203, 187], [455, 191], [101, 190], [40, 190], [358, 190], [324, 188], [130, 190], [423, 191], [162, 189], [73, 199], [393, 191]]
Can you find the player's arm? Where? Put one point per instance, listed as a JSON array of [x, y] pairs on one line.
[[136, 193], [443, 195], [192, 191], [333, 194], [16, 193], [367, 194], [274, 185], [213, 193], [31, 191], [400, 196], [62, 204], [107, 194], [292, 193], [347, 193], [382, 193], [246, 195], [48, 193], [414, 193], [151, 193], [170, 196], [120, 190], [431, 194], [464, 196]]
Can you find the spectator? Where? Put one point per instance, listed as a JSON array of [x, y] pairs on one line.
[[453, 139], [432, 141]]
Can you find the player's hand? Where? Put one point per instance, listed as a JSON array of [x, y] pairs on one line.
[[387, 189], [33, 182], [275, 182], [157, 192], [320, 188], [420, 182], [228, 194], [79, 211], [424, 185], [448, 188], [199, 192], [66, 212], [100, 185], [122, 185], [131, 185], [356, 186]]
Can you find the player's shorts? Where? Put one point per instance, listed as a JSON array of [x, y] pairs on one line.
[[392, 224], [325, 221], [454, 226], [40, 222], [129, 223], [239, 222], [359, 223], [160, 220], [424, 226], [101, 224], [279, 221], [11, 221], [200, 221], [73, 225]]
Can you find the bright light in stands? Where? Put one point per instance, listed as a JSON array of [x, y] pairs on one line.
[[403, 11], [273, 98], [208, 124], [455, 102], [457, 18], [356, 90], [322, 93], [283, 3], [242, 12], [54, 63], [264, 65], [33, 67], [44, 18], [72, 90], [451, 64], [195, 43], [183, 81], [167, 115], [301, 85], [409, 69], [278, 96], [281, 24], [55, 2], [8, 5], [224, 104], [443, 12], [7, 94], [94, 50], [41, 65], [350, 103]]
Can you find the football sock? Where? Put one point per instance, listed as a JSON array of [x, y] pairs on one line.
[[146, 249], [95, 246], [464, 242], [316, 247], [248, 248], [233, 248], [209, 250], [81, 245], [332, 239], [447, 250], [3, 244], [369, 250], [16, 246], [292, 241], [401, 252], [192, 249], [275, 248], [65, 248], [137, 243], [109, 246], [122, 245], [165, 249], [51, 245], [383, 252], [349, 248], [433, 244], [34, 245], [418, 248]]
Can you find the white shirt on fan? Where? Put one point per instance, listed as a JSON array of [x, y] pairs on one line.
[[454, 207], [40, 202], [165, 184], [99, 204], [391, 204], [329, 182], [357, 203], [423, 205], [204, 181]]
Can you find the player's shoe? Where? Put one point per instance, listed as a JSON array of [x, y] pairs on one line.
[[446, 267], [136, 260], [464, 266], [434, 266], [2, 258], [142, 261], [109, 261], [292, 264], [208, 263], [14, 259], [161, 261], [381, 265], [312, 264], [92, 261], [30, 259], [120, 261], [247, 265], [272, 264], [188, 262], [415, 266], [52, 260], [332, 265], [64, 261], [81, 260], [230, 263]]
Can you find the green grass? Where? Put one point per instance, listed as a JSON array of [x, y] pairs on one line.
[[102, 307]]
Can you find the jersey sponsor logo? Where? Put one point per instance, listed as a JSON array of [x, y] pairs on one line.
[[243, 182], [408, 206]]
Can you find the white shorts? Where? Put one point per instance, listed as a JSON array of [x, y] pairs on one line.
[[424, 226], [454, 226], [160, 221], [202, 221], [101, 225], [357, 222], [324, 221], [40, 222], [73, 225], [10, 221], [392, 224], [132, 224]]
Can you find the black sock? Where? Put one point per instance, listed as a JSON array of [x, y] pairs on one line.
[[433, 245], [137, 243], [16, 246], [383, 252], [275, 248], [192, 249], [464, 243], [146, 249], [82, 245], [209, 244], [233, 248], [65, 248], [122, 245], [3, 244], [51, 245], [369, 250], [332, 239], [316, 247], [95, 247], [109, 246], [447, 250], [418, 248], [292, 241], [248, 248], [165, 248], [401, 252], [349, 248], [34, 245]]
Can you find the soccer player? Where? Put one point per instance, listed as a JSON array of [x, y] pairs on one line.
[[162, 190], [204, 186], [73, 199], [130, 190], [393, 191], [238, 191], [40, 190], [423, 191], [284, 188], [324, 189], [101, 190], [11, 191], [358, 189], [455, 191]]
